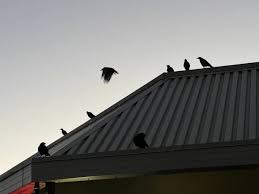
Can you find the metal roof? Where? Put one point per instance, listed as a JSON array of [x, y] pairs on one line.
[[182, 108], [187, 108]]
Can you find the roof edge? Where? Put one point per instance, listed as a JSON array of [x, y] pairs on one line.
[[152, 150], [217, 69], [146, 161]]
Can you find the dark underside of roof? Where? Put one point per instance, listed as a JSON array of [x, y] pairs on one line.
[[182, 108]]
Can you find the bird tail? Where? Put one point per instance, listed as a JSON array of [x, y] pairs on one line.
[[210, 65]]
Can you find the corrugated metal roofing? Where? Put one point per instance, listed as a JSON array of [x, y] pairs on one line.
[[194, 107], [182, 108]]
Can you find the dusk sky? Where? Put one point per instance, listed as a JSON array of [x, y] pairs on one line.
[[52, 51]]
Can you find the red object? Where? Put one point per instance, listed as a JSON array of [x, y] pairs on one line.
[[26, 189]]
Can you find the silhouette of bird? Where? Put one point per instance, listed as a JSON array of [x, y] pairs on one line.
[[107, 73], [204, 63], [90, 115], [43, 150], [186, 65], [169, 69], [139, 140], [63, 131]]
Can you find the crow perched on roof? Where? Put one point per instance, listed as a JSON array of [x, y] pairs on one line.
[[169, 69], [204, 63], [186, 65], [63, 131], [43, 150], [139, 140], [90, 115], [107, 73]]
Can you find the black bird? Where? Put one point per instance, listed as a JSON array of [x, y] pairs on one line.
[[63, 131], [139, 140], [107, 73], [43, 150], [186, 65], [90, 115], [204, 63], [169, 69]]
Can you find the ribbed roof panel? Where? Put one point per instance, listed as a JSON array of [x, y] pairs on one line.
[[182, 109]]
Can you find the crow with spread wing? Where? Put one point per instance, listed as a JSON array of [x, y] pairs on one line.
[[107, 73]]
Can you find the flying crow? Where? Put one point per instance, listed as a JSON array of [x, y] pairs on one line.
[[139, 140], [63, 131], [169, 69], [186, 65], [90, 115], [204, 63], [43, 150], [107, 73]]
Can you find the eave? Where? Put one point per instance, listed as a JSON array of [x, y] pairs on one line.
[[147, 161]]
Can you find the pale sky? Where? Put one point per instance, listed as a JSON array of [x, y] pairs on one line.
[[51, 53]]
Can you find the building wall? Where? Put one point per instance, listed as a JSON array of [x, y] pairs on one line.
[[217, 182]]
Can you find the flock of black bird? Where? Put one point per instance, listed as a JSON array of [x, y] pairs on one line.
[[186, 65], [107, 73]]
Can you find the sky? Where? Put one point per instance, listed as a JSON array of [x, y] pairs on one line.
[[51, 53]]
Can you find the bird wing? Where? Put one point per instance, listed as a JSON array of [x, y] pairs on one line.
[[205, 63], [107, 73]]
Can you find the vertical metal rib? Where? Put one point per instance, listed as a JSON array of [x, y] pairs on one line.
[[199, 87], [169, 110], [175, 103], [241, 110], [112, 133], [247, 106], [154, 128], [205, 109], [188, 115], [216, 108], [252, 115], [230, 112], [122, 131], [143, 111], [199, 114], [124, 126], [179, 112], [211, 107], [131, 118], [153, 113], [221, 108], [87, 143], [102, 134], [75, 148]]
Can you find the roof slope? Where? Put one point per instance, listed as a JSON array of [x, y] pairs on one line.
[[182, 108]]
